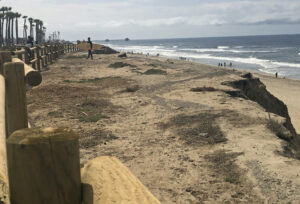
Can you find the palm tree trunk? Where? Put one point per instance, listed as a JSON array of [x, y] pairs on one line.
[[1, 32], [12, 31], [7, 30], [17, 31]]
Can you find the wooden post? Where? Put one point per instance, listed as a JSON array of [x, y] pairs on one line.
[[16, 108], [50, 54], [3, 163], [32, 77], [4, 57], [26, 57], [44, 167], [38, 58]]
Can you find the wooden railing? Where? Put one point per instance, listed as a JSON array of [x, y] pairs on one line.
[[16, 69]]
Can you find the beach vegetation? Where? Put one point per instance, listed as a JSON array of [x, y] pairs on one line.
[[203, 89], [55, 114], [117, 65], [92, 118], [90, 110], [200, 129], [132, 88], [96, 137], [277, 128], [155, 71], [223, 164]]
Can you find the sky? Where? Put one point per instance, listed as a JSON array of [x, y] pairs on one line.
[[152, 19]]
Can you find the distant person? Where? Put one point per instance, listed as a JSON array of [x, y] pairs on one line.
[[276, 74], [90, 54], [29, 42], [221, 64], [230, 65], [224, 64]]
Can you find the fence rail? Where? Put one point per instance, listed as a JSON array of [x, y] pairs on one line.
[[17, 68]]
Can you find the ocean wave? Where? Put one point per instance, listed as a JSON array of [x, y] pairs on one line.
[[153, 50], [227, 50], [223, 47], [267, 64]]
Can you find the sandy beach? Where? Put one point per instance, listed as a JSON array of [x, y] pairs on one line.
[[178, 126]]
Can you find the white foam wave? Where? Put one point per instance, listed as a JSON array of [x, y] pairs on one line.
[[175, 46], [227, 50], [223, 47], [299, 53], [267, 64], [153, 50]]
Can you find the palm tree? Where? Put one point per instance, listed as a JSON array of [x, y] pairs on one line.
[[3, 9], [17, 15], [12, 18], [1, 33], [25, 27], [44, 34], [30, 26], [8, 27]]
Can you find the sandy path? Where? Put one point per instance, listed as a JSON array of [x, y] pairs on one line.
[[186, 147]]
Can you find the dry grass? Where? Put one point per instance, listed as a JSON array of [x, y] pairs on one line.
[[155, 71], [278, 129], [92, 109], [203, 89], [200, 129], [56, 114], [223, 163], [117, 65], [95, 137], [133, 88]]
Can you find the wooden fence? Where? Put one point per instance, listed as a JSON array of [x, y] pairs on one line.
[[16, 69], [42, 165]]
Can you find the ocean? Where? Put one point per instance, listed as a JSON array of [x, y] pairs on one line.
[[269, 54]]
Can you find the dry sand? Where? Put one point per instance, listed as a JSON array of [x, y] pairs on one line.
[[186, 147]]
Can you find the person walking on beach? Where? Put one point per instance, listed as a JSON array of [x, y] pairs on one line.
[[90, 54], [276, 74]]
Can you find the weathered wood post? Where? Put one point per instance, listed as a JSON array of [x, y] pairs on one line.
[[26, 57], [3, 162], [32, 76], [51, 54], [16, 108], [43, 166], [4, 57], [38, 58]]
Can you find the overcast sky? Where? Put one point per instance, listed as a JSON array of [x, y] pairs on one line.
[[146, 19]]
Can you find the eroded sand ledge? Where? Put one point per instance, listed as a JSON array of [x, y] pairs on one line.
[[185, 146]]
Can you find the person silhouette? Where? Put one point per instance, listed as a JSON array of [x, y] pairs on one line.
[[90, 53]]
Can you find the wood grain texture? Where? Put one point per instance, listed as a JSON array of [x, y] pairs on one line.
[[107, 180], [32, 76], [5, 56], [43, 166], [16, 108], [3, 163]]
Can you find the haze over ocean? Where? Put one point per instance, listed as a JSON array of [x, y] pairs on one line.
[[269, 54]]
